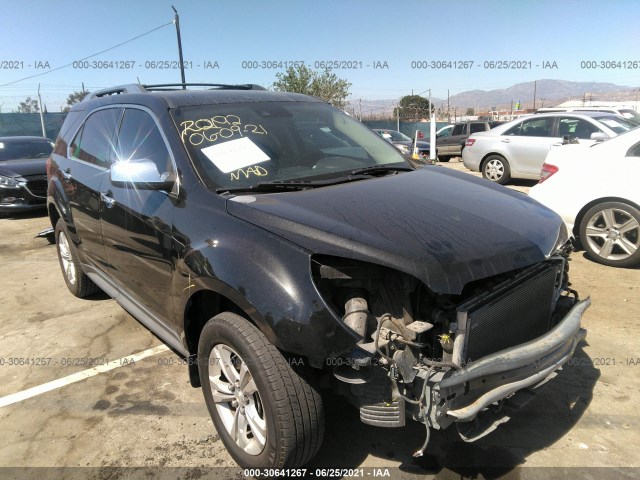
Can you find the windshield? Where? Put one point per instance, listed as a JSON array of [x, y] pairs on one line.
[[24, 149], [630, 114], [617, 123], [243, 144]]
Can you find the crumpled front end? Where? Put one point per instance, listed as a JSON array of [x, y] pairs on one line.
[[443, 359]]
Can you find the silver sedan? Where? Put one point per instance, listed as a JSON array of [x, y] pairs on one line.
[[517, 149]]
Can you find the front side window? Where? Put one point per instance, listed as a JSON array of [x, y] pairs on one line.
[[94, 142], [458, 130], [576, 127], [139, 139], [237, 145]]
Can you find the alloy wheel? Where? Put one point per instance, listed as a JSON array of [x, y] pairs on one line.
[[613, 234], [237, 399], [68, 265]]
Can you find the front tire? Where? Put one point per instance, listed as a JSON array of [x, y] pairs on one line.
[[266, 414], [496, 169], [610, 234], [77, 281]]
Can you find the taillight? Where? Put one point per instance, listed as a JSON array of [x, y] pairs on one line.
[[547, 171], [469, 142]]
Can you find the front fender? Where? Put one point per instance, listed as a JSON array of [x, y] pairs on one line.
[[269, 278]]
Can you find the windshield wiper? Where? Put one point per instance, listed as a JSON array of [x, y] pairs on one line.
[[289, 185], [375, 169]]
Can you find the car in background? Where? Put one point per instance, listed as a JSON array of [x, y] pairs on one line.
[[449, 146], [628, 113], [595, 191], [402, 142], [517, 149], [23, 173]]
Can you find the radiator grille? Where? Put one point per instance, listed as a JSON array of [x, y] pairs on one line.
[[37, 188], [512, 316]]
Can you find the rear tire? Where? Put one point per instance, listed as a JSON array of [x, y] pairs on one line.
[[610, 234], [77, 281], [267, 415], [496, 169]]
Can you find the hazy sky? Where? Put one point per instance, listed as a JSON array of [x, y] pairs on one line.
[[355, 34]]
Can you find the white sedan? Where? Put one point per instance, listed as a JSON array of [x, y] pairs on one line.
[[595, 191]]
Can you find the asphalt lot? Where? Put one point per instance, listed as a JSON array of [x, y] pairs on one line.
[[142, 412]]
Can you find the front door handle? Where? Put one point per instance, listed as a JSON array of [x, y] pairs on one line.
[[107, 199], [506, 140], [66, 174]]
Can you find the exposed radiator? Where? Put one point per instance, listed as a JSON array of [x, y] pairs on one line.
[[511, 314]]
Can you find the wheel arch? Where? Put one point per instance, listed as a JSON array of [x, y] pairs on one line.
[[54, 215], [199, 309]]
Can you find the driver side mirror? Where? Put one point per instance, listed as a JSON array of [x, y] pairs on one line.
[[143, 175]]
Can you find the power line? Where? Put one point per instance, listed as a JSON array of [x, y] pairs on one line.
[[90, 56]]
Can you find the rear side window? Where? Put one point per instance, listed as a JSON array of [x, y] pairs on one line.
[[140, 139], [93, 143], [477, 127], [535, 127]]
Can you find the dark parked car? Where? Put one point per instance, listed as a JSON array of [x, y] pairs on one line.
[[23, 175], [280, 246]]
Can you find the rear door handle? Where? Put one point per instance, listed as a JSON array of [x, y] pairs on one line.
[[106, 198], [506, 140]]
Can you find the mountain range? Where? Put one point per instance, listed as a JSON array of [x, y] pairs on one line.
[[548, 93]]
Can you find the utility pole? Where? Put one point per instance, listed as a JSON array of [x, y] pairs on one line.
[[176, 20], [448, 108], [535, 84], [44, 131], [432, 131]]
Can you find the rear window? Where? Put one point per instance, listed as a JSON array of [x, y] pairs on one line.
[[25, 149]]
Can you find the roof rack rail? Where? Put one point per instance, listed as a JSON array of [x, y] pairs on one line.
[[129, 88], [139, 88], [221, 86]]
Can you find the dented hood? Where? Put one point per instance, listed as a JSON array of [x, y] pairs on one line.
[[445, 228]]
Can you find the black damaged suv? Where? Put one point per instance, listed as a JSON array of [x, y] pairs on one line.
[[282, 246]]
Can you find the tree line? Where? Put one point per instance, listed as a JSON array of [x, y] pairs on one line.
[[325, 85]]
